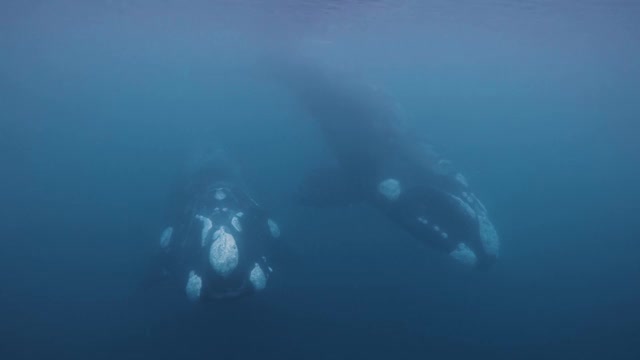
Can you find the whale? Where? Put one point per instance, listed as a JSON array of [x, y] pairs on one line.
[[379, 160]]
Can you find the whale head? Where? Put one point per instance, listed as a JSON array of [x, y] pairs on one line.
[[444, 214]]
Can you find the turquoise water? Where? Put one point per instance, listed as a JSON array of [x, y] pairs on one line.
[[102, 103]]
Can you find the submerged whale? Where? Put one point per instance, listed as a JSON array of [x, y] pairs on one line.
[[382, 163]]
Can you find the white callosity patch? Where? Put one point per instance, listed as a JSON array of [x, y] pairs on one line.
[[468, 198], [235, 222], [464, 206], [423, 220], [477, 202], [220, 195], [273, 228], [464, 255], [441, 232], [390, 189], [194, 286], [165, 237], [206, 227], [474, 208], [217, 233], [223, 255], [240, 214], [461, 180], [257, 278], [488, 236]]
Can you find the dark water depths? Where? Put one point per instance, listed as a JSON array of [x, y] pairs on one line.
[[536, 102]]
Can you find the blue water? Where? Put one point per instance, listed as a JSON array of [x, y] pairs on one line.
[[536, 101]]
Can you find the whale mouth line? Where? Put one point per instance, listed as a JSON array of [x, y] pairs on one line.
[[446, 216], [459, 223], [437, 229], [451, 237]]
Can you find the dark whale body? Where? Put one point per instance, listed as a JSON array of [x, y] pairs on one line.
[[381, 162]]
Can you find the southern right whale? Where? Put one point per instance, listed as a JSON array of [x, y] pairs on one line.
[[382, 163]]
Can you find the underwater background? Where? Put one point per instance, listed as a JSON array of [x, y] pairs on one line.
[[536, 102]]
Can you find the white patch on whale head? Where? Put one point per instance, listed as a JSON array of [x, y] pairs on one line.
[[223, 255], [488, 236], [464, 255], [220, 195], [257, 278], [477, 201], [273, 228], [464, 206], [165, 237], [235, 222], [194, 286], [390, 189], [206, 227], [461, 180]]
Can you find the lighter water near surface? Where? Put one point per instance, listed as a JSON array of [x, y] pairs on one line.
[[535, 101]]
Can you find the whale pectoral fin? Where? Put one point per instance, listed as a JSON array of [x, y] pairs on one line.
[[327, 187]]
